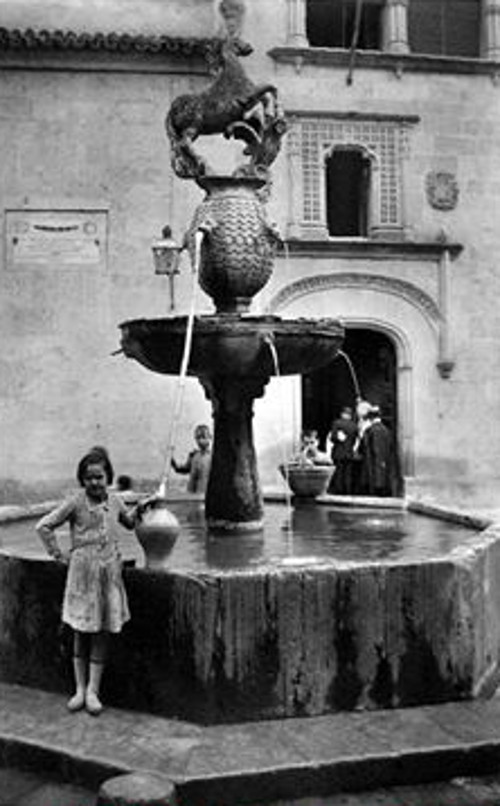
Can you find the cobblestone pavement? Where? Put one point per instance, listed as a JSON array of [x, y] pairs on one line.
[[29, 789], [32, 789], [459, 792]]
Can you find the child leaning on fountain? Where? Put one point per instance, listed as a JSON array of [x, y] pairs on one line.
[[198, 462], [310, 454], [95, 602]]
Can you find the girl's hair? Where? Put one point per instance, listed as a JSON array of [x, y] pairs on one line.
[[96, 456], [100, 449], [202, 431]]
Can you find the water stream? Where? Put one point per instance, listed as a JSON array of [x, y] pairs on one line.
[[269, 340], [352, 371]]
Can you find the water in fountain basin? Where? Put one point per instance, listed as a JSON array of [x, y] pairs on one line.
[[321, 533]]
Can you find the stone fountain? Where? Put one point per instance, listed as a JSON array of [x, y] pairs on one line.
[[242, 635], [233, 354], [302, 637]]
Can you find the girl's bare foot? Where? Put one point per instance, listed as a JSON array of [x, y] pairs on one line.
[[77, 701], [93, 703]]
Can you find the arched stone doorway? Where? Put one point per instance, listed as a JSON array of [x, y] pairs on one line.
[[374, 358]]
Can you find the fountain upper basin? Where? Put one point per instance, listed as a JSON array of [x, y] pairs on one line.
[[233, 346]]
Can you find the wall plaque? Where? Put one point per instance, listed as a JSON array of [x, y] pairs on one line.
[[60, 238]]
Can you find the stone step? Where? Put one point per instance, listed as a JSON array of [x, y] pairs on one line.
[[255, 762]]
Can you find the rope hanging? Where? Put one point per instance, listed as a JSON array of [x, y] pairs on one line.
[[355, 38]]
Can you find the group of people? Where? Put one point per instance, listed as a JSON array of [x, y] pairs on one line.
[[361, 449]]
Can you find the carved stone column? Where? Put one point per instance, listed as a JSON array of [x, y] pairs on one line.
[[490, 23], [296, 29], [445, 364], [233, 500], [395, 27]]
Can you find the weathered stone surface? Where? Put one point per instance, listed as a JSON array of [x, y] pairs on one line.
[[283, 759], [280, 641], [137, 789]]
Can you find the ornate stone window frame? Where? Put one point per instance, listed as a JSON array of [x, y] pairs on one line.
[[394, 40], [373, 195], [441, 252], [313, 137]]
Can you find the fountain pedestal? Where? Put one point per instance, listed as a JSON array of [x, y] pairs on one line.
[[233, 499]]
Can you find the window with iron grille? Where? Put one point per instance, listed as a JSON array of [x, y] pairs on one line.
[[346, 175], [445, 27], [330, 23]]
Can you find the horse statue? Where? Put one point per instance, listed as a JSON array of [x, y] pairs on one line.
[[233, 106]]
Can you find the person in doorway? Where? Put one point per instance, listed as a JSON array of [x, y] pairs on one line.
[[197, 464], [363, 407], [342, 437], [376, 454], [95, 602], [310, 453]]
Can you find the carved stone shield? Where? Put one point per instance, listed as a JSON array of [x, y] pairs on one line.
[[442, 190]]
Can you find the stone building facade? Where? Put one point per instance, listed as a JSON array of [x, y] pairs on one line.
[[387, 193]]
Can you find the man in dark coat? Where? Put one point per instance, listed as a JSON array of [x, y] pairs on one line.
[[377, 456], [343, 436]]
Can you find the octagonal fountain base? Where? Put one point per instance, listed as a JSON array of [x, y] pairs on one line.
[[229, 635]]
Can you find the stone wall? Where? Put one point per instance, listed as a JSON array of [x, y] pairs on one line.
[[83, 148], [189, 18]]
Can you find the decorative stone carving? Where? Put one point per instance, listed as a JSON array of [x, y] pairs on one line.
[[395, 27], [387, 141], [445, 369], [232, 12], [239, 245], [296, 28], [373, 282], [233, 106], [442, 190], [490, 10]]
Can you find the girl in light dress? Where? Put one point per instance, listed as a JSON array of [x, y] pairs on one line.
[[95, 602]]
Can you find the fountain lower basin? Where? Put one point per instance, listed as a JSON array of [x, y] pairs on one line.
[[344, 611]]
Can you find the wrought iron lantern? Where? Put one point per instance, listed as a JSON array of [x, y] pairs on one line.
[[166, 257]]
